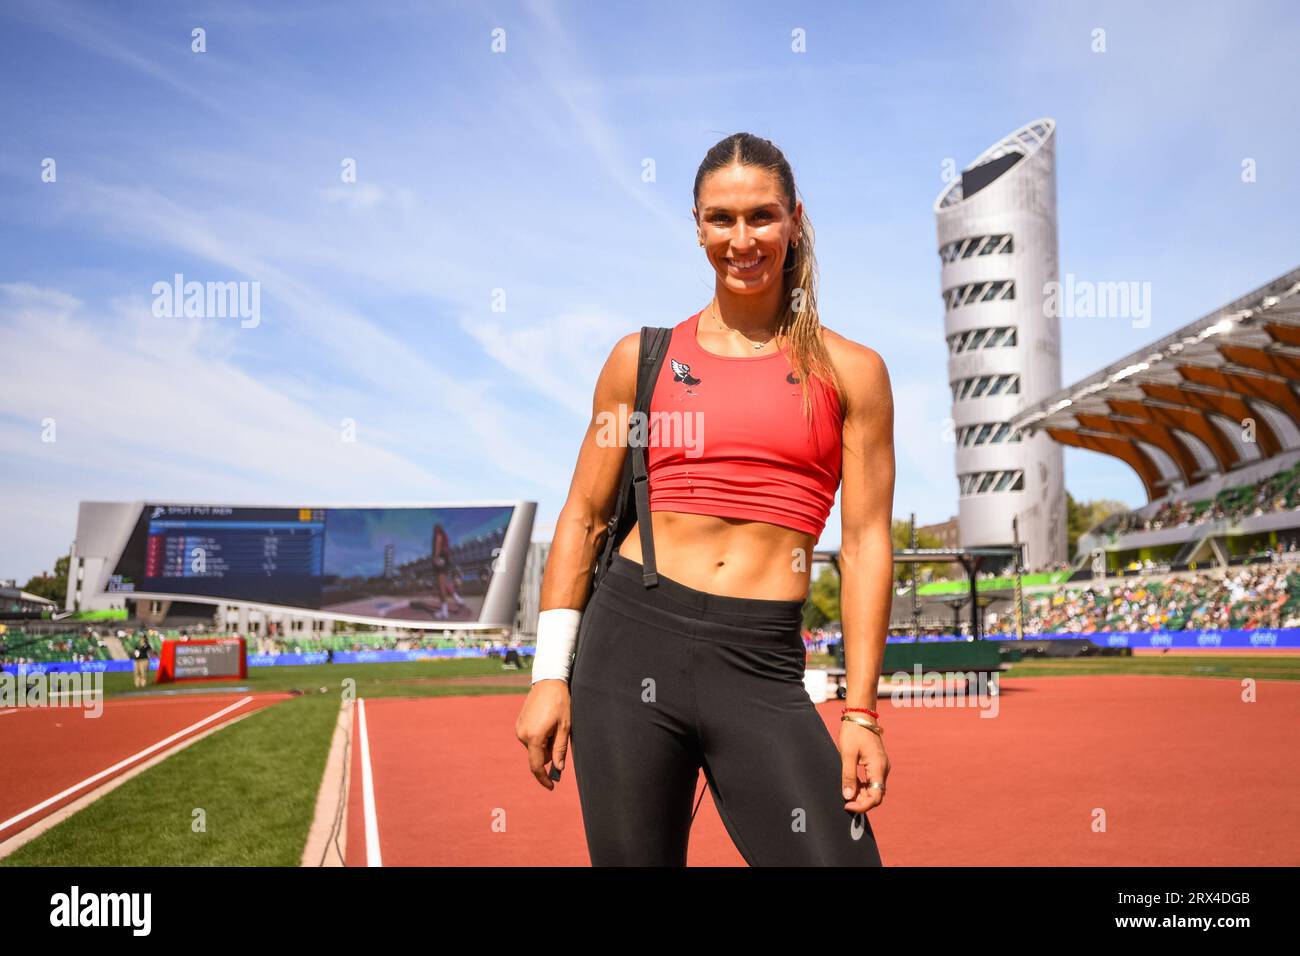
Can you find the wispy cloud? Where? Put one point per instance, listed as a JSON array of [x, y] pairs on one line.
[[99, 35], [559, 357], [561, 65], [114, 408]]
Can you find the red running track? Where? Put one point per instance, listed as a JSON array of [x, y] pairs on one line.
[[1184, 771], [47, 750]]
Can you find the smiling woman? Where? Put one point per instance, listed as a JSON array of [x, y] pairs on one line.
[[690, 653]]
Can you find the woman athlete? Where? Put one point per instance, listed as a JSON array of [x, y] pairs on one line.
[[442, 569], [769, 412]]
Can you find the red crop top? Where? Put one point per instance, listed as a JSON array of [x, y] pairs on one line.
[[728, 437]]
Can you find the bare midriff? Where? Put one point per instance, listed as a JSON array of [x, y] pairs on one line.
[[729, 556]]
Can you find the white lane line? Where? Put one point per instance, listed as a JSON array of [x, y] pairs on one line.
[[368, 791], [24, 835], [11, 710], [121, 763]]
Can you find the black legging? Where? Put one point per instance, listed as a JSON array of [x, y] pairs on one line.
[[670, 679]]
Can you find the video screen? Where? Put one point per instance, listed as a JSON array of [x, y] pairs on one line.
[[405, 564]]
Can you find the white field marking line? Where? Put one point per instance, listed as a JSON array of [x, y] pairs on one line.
[[51, 820], [120, 764], [368, 791], [11, 710]]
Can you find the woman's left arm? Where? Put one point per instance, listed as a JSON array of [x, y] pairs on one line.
[[866, 559]]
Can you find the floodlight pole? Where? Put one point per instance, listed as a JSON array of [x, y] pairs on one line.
[[955, 604], [916, 603], [972, 565], [1015, 538]]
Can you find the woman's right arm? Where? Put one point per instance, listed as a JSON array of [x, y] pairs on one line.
[[583, 522], [580, 530]]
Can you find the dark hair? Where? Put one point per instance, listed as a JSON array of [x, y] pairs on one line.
[[799, 321]]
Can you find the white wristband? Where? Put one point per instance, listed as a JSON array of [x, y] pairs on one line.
[[557, 637]]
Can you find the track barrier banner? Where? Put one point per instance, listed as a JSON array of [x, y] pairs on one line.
[[1282, 637]]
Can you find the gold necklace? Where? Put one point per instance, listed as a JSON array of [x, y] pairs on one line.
[[722, 327]]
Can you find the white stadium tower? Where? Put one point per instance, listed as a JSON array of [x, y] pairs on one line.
[[997, 246]]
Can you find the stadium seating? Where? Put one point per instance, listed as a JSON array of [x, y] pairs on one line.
[[1251, 597], [45, 648], [351, 642], [1279, 492]]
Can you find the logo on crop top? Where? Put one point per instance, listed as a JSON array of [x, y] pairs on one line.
[[682, 373], [792, 378]]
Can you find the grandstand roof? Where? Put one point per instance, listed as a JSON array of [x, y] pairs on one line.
[[1181, 409], [17, 594]]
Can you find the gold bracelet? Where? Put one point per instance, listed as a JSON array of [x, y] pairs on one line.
[[862, 721]]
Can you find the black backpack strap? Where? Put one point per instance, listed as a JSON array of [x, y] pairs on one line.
[[628, 510], [640, 476]]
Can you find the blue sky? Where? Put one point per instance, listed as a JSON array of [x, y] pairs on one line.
[[521, 171]]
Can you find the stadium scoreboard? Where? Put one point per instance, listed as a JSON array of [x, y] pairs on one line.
[[211, 542], [368, 564]]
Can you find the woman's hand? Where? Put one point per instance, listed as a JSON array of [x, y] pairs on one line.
[[860, 746], [543, 728]]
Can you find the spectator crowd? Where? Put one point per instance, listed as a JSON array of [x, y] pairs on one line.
[[1280, 492], [1248, 597]]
